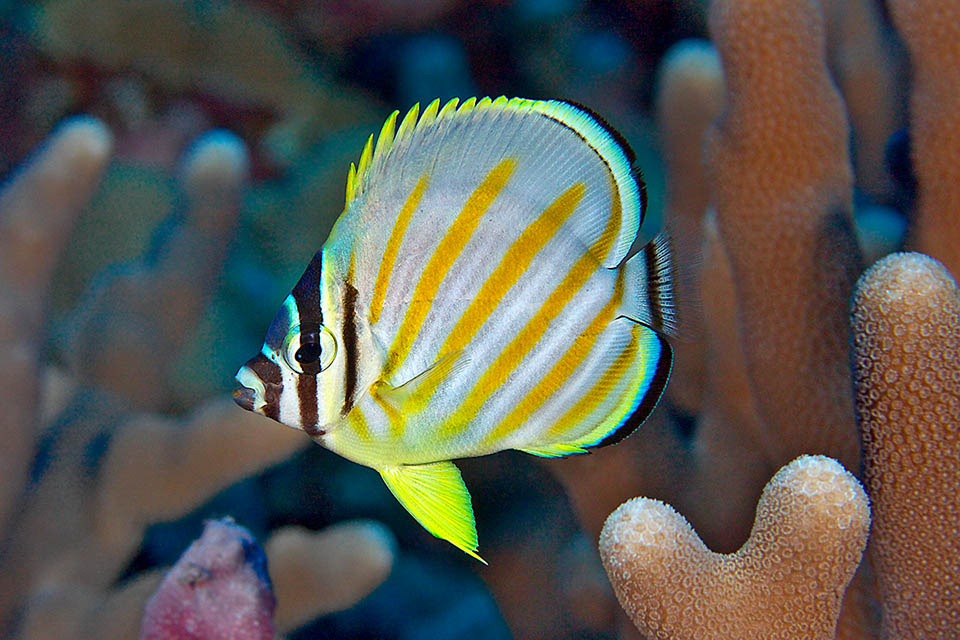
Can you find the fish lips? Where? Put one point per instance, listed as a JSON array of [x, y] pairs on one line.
[[245, 397], [255, 390]]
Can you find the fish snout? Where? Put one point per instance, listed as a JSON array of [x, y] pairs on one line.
[[245, 397]]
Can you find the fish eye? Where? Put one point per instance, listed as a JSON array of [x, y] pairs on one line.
[[309, 352]]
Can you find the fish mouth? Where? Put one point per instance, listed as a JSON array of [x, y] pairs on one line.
[[245, 397]]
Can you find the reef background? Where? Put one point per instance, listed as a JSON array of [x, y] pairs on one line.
[[145, 251]]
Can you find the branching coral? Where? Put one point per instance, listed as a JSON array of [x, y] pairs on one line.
[[931, 29], [103, 471], [787, 581], [37, 211], [781, 185], [906, 359], [781, 181], [117, 328]]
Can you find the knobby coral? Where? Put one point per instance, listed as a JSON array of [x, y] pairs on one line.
[[906, 358], [218, 589], [787, 581]]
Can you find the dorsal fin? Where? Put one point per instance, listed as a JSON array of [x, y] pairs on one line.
[[427, 129]]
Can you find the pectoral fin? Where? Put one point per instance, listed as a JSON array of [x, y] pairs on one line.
[[416, 392], [435, 495]]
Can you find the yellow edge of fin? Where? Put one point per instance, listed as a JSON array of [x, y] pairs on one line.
[[351, 182], [449, 109], [385, 139], [436, 497], [555, 450], [430, 113]]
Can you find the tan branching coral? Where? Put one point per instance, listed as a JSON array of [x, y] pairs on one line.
[[731, 457], [689, 98], [37, 211], [931, 29], [117, 327], [103, 470], [866, 68], [787, 581], [781, 182], [907, 375], [319, 572]]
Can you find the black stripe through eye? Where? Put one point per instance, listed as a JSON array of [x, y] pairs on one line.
[[308, 355]]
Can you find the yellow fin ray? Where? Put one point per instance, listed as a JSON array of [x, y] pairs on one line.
[[408, 123], [436, 497]]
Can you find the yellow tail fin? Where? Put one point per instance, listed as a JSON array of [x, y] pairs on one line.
[[435, 495]]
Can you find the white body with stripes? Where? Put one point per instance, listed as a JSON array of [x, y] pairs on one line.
[[478, 294]]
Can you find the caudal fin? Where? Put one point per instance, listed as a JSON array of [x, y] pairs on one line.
[[648, 296]]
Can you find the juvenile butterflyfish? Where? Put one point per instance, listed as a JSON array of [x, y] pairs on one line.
[[477, 294]]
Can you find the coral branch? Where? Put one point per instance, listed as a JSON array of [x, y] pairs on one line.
[[118, 326], [781, 179], [732, 451], [37, 211], [866, 68], [318, 573], [787, 581], [689, 97], [931, 29], [906, 320], [188, 462]]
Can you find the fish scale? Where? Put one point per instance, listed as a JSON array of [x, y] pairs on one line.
[[475, 295]]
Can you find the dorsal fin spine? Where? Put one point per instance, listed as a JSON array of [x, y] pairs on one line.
[[408, 123], [364, 165], [449, 109], [385, 139], [351, 182], [429, 114]]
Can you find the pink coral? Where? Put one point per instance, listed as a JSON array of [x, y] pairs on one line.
[[218, 590]]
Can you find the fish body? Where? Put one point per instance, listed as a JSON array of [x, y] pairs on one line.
[[474, 296]]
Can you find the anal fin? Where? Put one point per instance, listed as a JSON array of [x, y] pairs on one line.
[[436, 497]]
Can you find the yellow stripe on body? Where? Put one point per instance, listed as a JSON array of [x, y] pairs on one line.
[[510, 358], [562, 369], [514, 263], [358, 422], [443, 258], [394, 417], [393, 248], [597, 393]]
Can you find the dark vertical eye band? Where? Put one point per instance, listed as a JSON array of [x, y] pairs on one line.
[[349, 345]]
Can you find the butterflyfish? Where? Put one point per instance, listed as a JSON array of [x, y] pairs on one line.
[[476, 294]]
